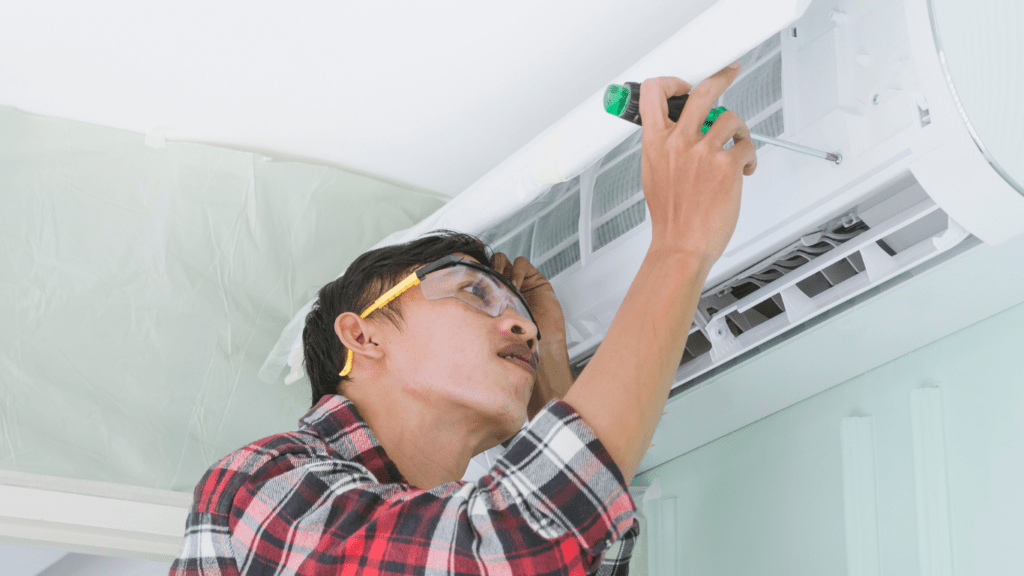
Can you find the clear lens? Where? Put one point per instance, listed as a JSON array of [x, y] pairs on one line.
[[474, 288]]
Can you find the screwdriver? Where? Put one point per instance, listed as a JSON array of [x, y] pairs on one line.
[[624, 101]]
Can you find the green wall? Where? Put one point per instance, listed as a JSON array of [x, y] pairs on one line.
[[142, 288], [769, 498]]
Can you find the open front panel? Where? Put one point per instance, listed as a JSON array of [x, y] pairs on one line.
[[547, 230]]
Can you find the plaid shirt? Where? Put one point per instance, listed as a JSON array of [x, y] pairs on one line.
[[327, 500]]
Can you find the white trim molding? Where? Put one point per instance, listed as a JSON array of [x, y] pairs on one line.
[[662, 547], [935, 551], [860, 503], [91, 517]]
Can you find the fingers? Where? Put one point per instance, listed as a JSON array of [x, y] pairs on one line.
[[497, 262], [516, 273], [654, 95], [727, 127], [702, 98], [749, 156], [500, 263], [521, 270]]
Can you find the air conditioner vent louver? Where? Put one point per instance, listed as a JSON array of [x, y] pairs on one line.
[[791, 258], [906, 237], [815, 272], [832, 275], [697, 344]]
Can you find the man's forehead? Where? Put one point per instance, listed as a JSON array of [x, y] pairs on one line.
[[466, 256], [464, 272]]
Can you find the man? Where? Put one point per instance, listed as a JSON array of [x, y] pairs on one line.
[[425, 354]]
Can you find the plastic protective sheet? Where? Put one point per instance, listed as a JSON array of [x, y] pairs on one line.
[[142, 287]]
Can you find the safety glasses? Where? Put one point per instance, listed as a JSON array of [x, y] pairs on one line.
[[456, 277]]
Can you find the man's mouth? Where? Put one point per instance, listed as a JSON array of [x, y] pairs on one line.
[[519, 362]]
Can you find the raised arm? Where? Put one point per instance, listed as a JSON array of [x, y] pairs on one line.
[[692, 187]]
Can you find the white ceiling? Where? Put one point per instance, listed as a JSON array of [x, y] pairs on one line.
[[430, 95]]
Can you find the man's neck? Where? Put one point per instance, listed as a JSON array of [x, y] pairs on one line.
[[428, 451]]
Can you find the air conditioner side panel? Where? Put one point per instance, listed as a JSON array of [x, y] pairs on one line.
[[960, 181], [955, 174]]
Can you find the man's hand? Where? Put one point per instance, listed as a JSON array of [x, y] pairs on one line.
[[691, 184], [554, 378], [538, 292]]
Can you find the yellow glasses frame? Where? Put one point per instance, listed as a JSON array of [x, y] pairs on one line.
[[415, 278]]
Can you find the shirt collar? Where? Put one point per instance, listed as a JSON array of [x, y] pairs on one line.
[[336, 420]]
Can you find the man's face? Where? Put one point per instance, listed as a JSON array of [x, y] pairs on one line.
[[447, 355]]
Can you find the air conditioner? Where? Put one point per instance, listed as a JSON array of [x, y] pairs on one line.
[[927, 123]]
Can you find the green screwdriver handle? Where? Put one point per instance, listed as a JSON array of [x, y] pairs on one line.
[[624, 101], [712, 116]]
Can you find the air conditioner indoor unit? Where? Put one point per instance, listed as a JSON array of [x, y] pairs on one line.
[[918, 96]]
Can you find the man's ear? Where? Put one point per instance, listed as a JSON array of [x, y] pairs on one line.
[[357, 335]]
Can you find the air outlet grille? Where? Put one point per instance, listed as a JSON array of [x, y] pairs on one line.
[[794, 256], [815, 273], [697, 344]]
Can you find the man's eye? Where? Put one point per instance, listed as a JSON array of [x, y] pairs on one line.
[[478, 289]]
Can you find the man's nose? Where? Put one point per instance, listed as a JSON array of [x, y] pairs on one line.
[[519, 325]]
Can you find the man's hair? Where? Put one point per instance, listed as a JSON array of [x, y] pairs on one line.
[[366, 279]]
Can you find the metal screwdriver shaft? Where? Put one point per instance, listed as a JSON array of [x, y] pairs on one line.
[[624, 101], [837, 158]]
